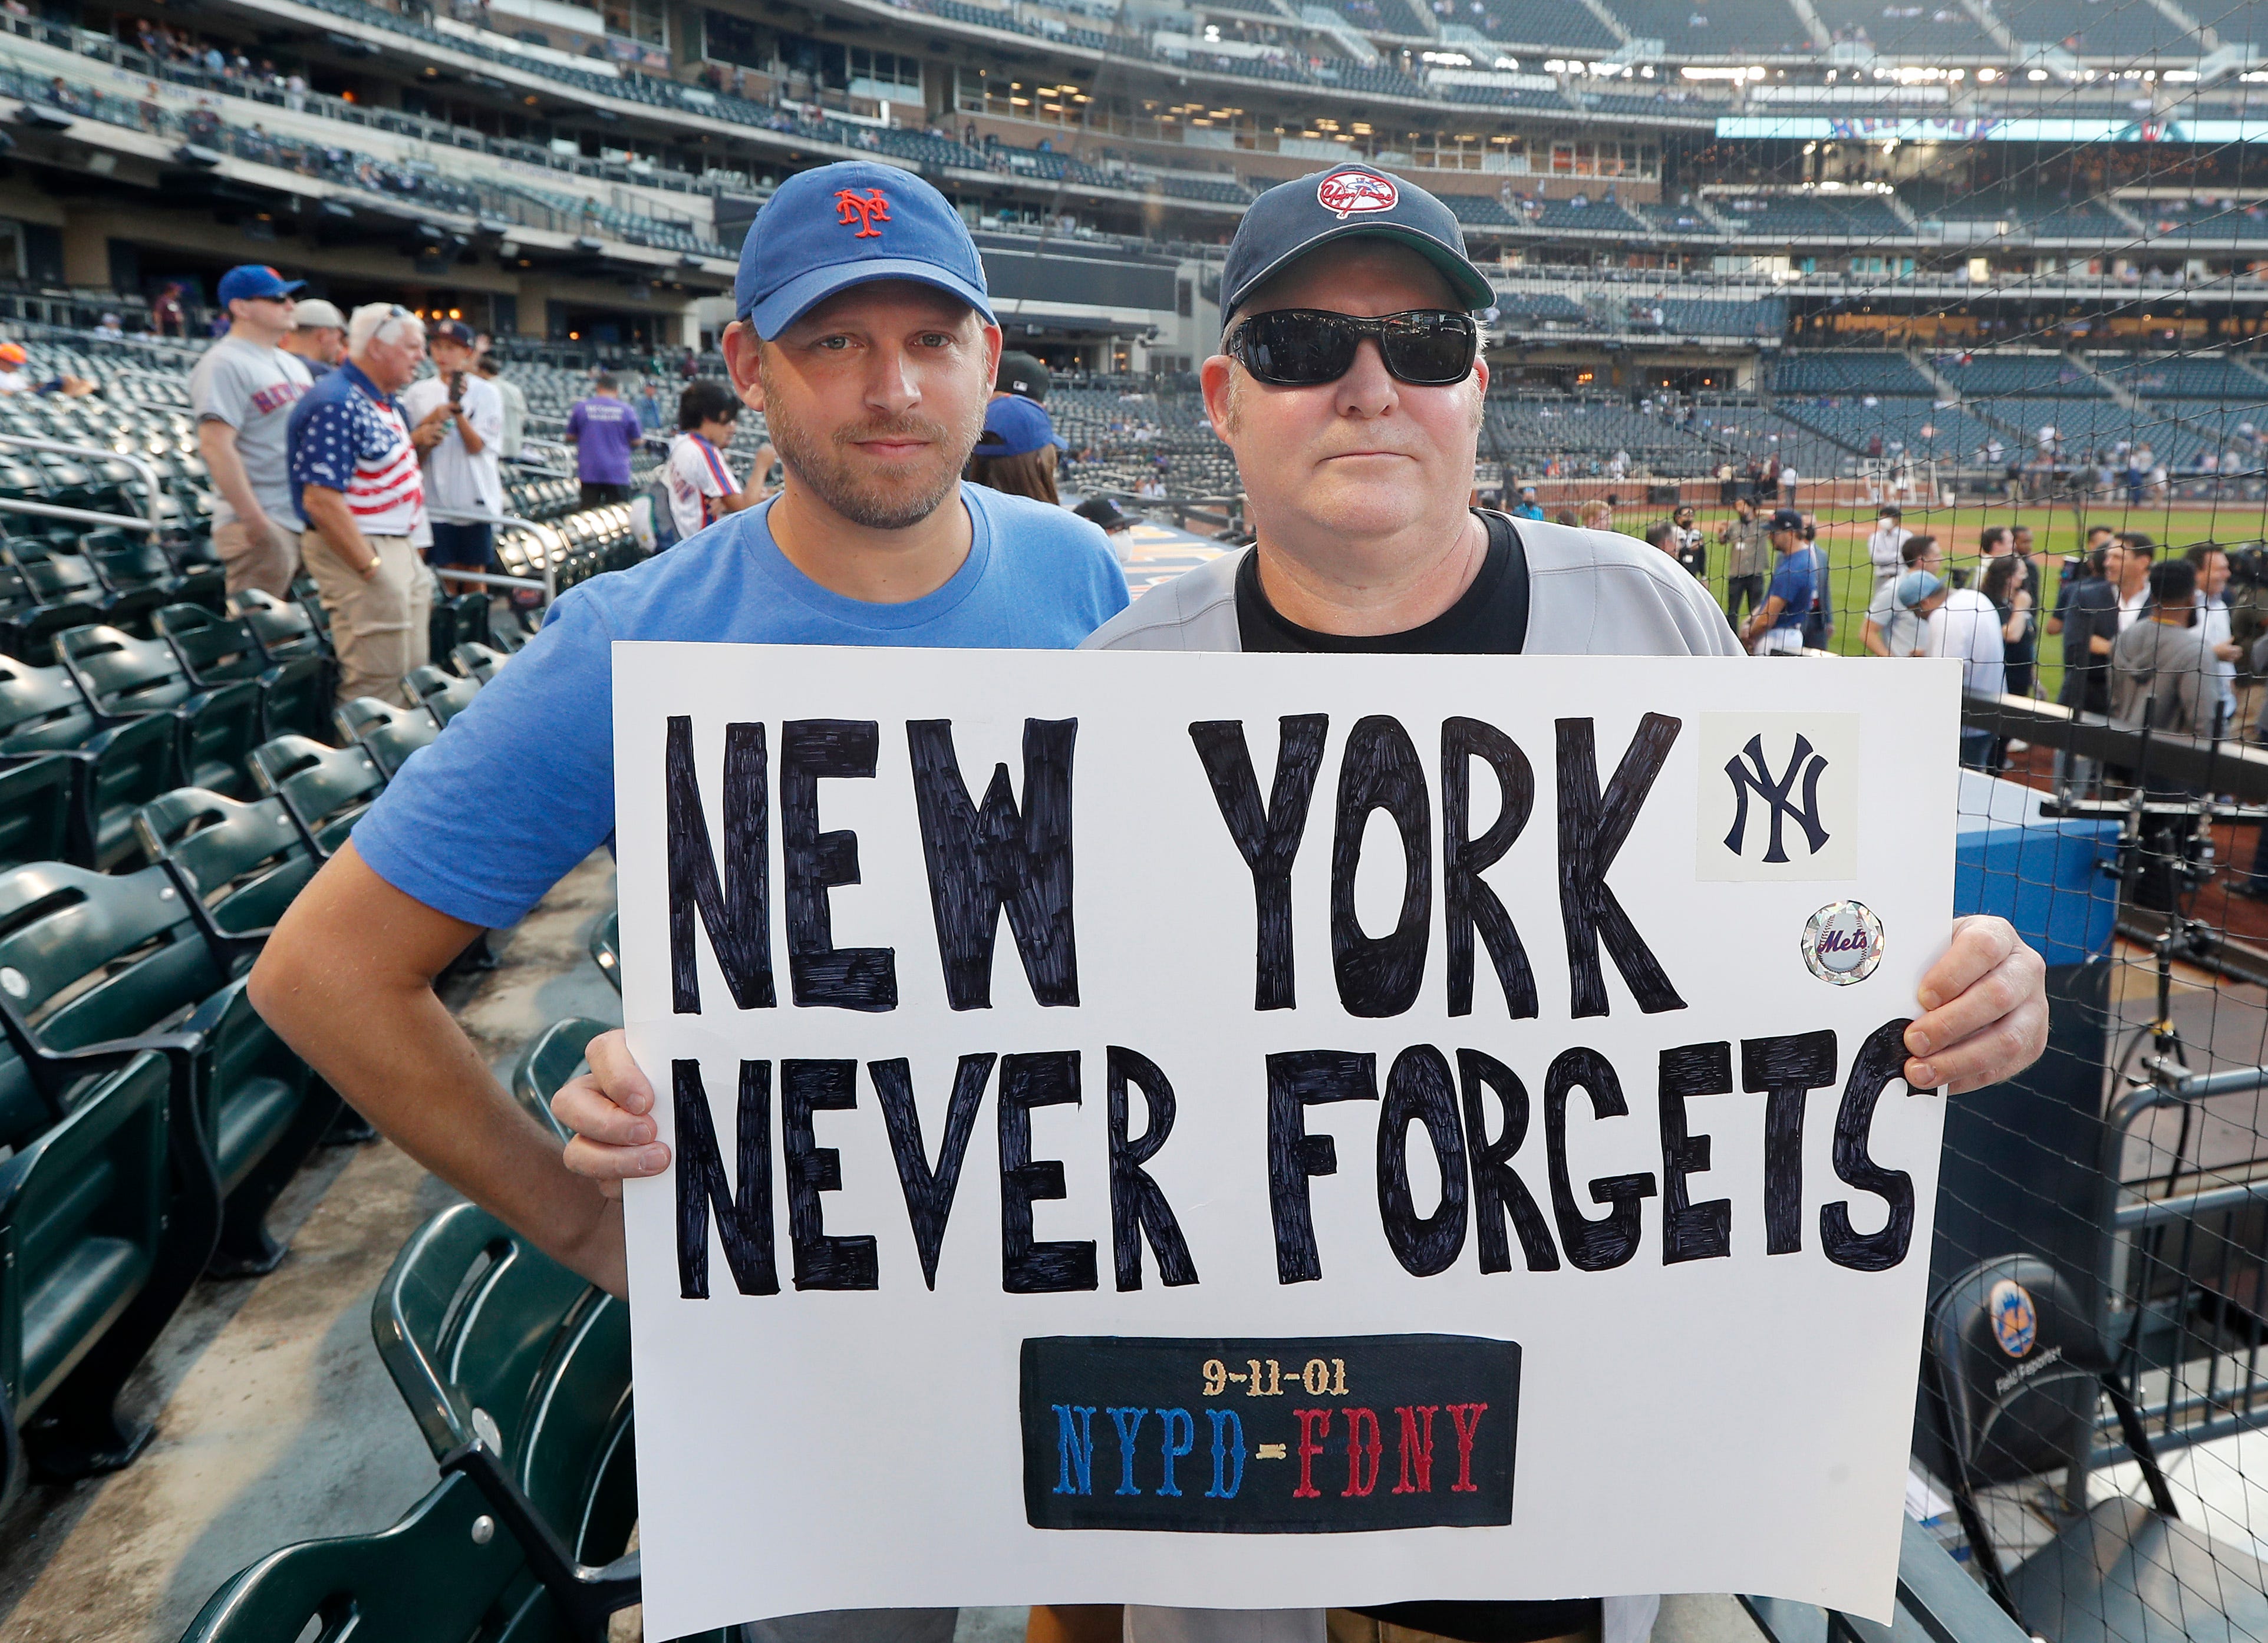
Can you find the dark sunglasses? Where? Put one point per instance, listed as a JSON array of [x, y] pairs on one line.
[[1300, 348]]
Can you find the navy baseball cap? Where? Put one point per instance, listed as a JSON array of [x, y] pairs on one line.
[[1014, 425], [1347, 203], [836, 226], [254, 279], [1786, 520]]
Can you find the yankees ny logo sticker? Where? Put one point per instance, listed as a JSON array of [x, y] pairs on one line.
[[1778, 796], [866, 210]]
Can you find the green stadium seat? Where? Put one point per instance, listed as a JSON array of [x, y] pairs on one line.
[[63, 592], [443, 1575], [107, 1216], [130, 563], [295, 693], [124, 677], [90, 958], [282, 628], [457, 619], [324, 790], [238, 865], [36, 809], [606, 948], [119, 768], [518, 1373], [390, 734], [554, 1056], [68, 590], [440, 693], [478, 661]]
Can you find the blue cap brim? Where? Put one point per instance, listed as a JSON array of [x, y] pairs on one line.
[[791, 301]]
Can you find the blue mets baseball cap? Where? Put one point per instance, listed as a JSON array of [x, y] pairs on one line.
[[1014, 426], [254, 279], [1345, 203], [836, 226]]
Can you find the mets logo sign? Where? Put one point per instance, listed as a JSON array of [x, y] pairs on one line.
[[2015, 1325], [1349, 192], [866, 210]]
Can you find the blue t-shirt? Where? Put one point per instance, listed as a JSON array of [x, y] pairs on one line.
[[480, 824], [1794, 585], [606, 430]]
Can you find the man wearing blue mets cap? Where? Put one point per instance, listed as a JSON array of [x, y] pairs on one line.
[[866, 338], [243, 390]]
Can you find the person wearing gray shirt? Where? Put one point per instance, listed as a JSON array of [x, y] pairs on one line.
[[1357, 463], [242, 391], [2161, 671]]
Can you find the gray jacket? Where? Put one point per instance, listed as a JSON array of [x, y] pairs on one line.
[[1589, 594]]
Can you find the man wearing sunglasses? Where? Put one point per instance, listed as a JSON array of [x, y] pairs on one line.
[[1349, 389]]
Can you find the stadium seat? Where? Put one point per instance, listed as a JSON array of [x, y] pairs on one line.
[[71, 593], [131, 563], [518, 1371], [443, 695], [124, 677], [390, 734], [107, 1216], [118, 768], [295, 692], [36, 809], [552, 1057], [282, 628], [324, 790], [98, 957], [443, 1575], [606, 948], [478, 661], [457, 619], [2124, 1570], [237, 866]]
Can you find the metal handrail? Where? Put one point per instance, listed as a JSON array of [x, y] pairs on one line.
[[462, 516], [154, 524]]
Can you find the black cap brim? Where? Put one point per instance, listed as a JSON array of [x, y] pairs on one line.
[[1465, 279]]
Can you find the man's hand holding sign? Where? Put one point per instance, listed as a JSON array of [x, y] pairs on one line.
[[1372, 1042]]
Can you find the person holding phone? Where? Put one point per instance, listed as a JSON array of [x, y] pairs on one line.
[[466, 415]]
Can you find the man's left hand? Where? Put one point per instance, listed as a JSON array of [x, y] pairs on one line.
[[1985, 1005]]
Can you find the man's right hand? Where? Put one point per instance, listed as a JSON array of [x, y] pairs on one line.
[[610, 1109]]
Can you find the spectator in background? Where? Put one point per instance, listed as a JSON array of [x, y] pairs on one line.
[[1894, 621], [2212, 568], [2004, 587], [13, 358], [1526, 507], [1776, 629], [1889, 535], [242, 394], [1023, 374], [604, 432], [1692, 546], [648, 406], [515, 407], [318, 336], [2098, 612], [1745, 565], [699, 478], [110, 330], [460, 465], [1596, 515], [168, 315], [2085, 566], [1965, 625], [2162, 678], [356, 479], [1016, 452], [1662, 534]]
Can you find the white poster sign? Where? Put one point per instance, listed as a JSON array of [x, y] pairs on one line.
[[1254, 1132]]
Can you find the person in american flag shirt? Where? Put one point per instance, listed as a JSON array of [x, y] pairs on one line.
[[355, 480]]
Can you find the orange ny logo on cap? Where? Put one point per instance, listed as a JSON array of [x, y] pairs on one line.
[[865, 209]]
